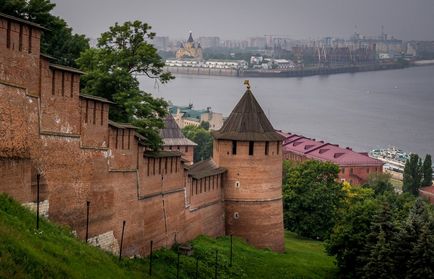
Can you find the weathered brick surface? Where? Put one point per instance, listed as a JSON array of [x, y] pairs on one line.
[[60, 111], [47, 128], [19, 66], [253, 188], [261, 223], [94, 134], [15, 178]]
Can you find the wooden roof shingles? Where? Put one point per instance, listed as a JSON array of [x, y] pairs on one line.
[[247, 122], [204, 169], [171, 134]]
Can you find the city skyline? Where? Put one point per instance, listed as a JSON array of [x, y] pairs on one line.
[[239, 20]]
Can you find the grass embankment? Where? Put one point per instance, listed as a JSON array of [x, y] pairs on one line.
[[53, 252]]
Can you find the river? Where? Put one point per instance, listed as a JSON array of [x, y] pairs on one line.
[[362, 110]]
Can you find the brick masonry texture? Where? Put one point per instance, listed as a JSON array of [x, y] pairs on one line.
[[46, 127]]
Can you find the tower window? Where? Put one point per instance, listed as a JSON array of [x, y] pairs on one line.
[[267, 147], [30, 39], [20, 41], [234, 147], [251, 147], [278, 148], [8, 35]]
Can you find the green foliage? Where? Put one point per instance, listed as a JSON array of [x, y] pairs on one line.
[[379, 237], [427, 171], [59, 41], [349, 236], [53, 252], [111, 70], [412, 175], [205, 125], [312, 198], [204, 140], [377, 258], [380, 183]]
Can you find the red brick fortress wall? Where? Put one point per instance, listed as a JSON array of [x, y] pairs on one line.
[[46, 127]]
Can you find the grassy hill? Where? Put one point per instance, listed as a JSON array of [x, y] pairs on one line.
[[53, 252]]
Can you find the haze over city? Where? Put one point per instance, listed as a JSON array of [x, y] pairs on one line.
[[299, 19]]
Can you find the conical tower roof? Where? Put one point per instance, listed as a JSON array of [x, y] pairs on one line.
[[171, 134], [247, 122], [190, 38]]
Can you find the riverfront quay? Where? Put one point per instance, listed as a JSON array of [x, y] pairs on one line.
[[308, 71]]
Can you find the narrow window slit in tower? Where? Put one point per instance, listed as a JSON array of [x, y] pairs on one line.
[[72, 85], [123, 136], [94, 118], [251, 147], [234, 147], [53, 83], [30, 39], [102, 122], [63, 83], [129, 135], [267, 147], [86, 114], [8, 35], [20, 42]]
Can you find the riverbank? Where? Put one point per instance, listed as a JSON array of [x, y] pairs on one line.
[[307, 71]]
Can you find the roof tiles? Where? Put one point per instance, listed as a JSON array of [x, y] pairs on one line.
[[318, 150], [247, 122]]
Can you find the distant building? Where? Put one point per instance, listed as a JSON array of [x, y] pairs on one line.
[[427, 193], [183, 63], [186, 115], [225, 64], [209, 42], [258, 42], [354, 167], [161, 43], [190, 50]]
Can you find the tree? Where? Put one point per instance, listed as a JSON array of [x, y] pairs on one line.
[[122, 53], [349, 236], [203, 139], [427, 171], [377, 258], [409, 233], [205, 125], [59, 41], [412, 175], [380, 263], [421, 261], [312, 198], [380, 183]]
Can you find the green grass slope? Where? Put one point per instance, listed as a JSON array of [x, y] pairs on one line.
[[53, 252]]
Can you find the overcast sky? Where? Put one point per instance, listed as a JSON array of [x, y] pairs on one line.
[[237, 19]]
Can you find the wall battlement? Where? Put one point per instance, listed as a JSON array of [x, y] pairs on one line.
[[47, 127]]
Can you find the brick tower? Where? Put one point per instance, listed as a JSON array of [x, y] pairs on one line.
[[250, 149]]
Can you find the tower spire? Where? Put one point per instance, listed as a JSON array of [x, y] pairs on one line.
[[247, 83]]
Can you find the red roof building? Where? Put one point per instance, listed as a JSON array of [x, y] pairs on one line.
[[428, 193], [354, 167]]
